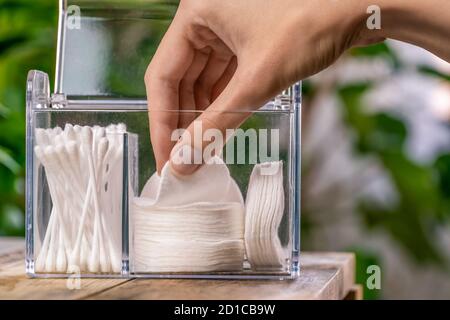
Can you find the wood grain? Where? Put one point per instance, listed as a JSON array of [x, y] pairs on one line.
[[8, 245], [323, 276], [14, 284], [313, 284], [355, 293]]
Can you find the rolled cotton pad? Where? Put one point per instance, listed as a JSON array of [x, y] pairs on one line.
[[264, 211]]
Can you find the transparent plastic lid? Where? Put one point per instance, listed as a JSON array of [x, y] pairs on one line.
[[104, 46]]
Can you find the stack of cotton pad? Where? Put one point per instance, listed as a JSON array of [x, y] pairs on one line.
[[264, 211], [189, 224]]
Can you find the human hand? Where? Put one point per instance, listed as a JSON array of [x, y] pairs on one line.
[[225, 56]]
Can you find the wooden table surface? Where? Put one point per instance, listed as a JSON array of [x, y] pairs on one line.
[[322, 276]]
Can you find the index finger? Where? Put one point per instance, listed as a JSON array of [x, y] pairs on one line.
[[162, 79]]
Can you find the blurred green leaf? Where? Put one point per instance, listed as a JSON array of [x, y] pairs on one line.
[[377, 50], [434, 73], [420, 209], [414, 234], [442, 165], [12, 221], [11, 41], [7, 161], [27, 41], [4, 111], [372, 50], [365, 259]]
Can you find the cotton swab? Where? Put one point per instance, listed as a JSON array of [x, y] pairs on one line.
[[83, 232], [53, 166], [41, 137], [86, 147], [98, 259], [61, 261], [104, 239], [111, 163], [46, 258]]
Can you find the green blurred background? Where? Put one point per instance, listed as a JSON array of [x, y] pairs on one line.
[[376, 151]]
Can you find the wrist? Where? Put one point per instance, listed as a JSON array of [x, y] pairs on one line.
[[371, 20], [422, 23], [399, 18], [362, 21]]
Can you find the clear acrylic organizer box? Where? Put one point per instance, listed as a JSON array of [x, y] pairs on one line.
[[89, 157]]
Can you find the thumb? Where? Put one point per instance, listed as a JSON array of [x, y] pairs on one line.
[[206, 136]]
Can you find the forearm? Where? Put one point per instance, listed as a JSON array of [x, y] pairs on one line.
[[422, 23]]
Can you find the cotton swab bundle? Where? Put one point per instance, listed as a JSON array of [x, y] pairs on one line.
[[83, 166], [264, 211]]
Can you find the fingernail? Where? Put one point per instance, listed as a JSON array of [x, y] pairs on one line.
[[185, 160]]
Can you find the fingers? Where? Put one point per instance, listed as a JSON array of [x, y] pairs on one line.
[[222, 83], [187, 99], [207, 135], [217, 64], [162, 81]]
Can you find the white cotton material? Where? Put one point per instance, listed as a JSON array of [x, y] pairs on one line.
[[264, 211], [211, 183], [189, 224], [84, 229], [189, 256]]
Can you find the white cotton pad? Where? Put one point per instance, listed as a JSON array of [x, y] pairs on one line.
[[210, 183], [217, 222], [264, 211], [153, 255], [189, 224], [197, 238]]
